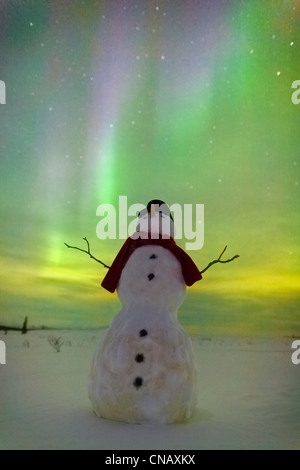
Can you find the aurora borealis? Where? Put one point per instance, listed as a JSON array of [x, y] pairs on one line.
[[185, 101]]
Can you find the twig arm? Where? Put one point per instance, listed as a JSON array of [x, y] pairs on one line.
[[88, 252], [219, 260]]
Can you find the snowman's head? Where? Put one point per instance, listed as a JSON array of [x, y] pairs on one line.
[[156, 219]]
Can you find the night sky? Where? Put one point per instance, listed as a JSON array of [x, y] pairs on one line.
[[185, 101]]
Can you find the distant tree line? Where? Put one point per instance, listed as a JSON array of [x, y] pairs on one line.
[[24, 329]]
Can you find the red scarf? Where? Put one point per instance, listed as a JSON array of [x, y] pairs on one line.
[[190, 272]]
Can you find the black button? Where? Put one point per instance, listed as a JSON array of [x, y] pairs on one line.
[[143, 333], [139, 358], [151, 276], [153, 256], [138, 382]]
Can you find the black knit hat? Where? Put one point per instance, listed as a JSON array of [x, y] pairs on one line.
[[160, 206]]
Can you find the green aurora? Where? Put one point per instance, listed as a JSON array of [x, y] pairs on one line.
[[189, 102]]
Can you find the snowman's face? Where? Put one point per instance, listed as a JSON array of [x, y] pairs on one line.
[[152, 276], [157, 223]]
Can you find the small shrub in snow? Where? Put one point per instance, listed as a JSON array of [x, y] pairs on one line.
[[55, 343]]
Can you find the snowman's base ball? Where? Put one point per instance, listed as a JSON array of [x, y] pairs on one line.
[[144, 378]]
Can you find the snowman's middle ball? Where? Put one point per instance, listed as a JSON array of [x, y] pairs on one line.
[[152, 275]]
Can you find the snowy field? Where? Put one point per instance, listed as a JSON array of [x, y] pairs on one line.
[[248, 398]]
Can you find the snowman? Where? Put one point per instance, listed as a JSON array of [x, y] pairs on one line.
[[144, 370]]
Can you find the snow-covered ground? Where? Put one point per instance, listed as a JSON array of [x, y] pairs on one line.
[[248, 398]]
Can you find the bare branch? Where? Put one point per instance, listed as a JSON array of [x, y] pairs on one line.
[[88, 252], [219, 260]]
